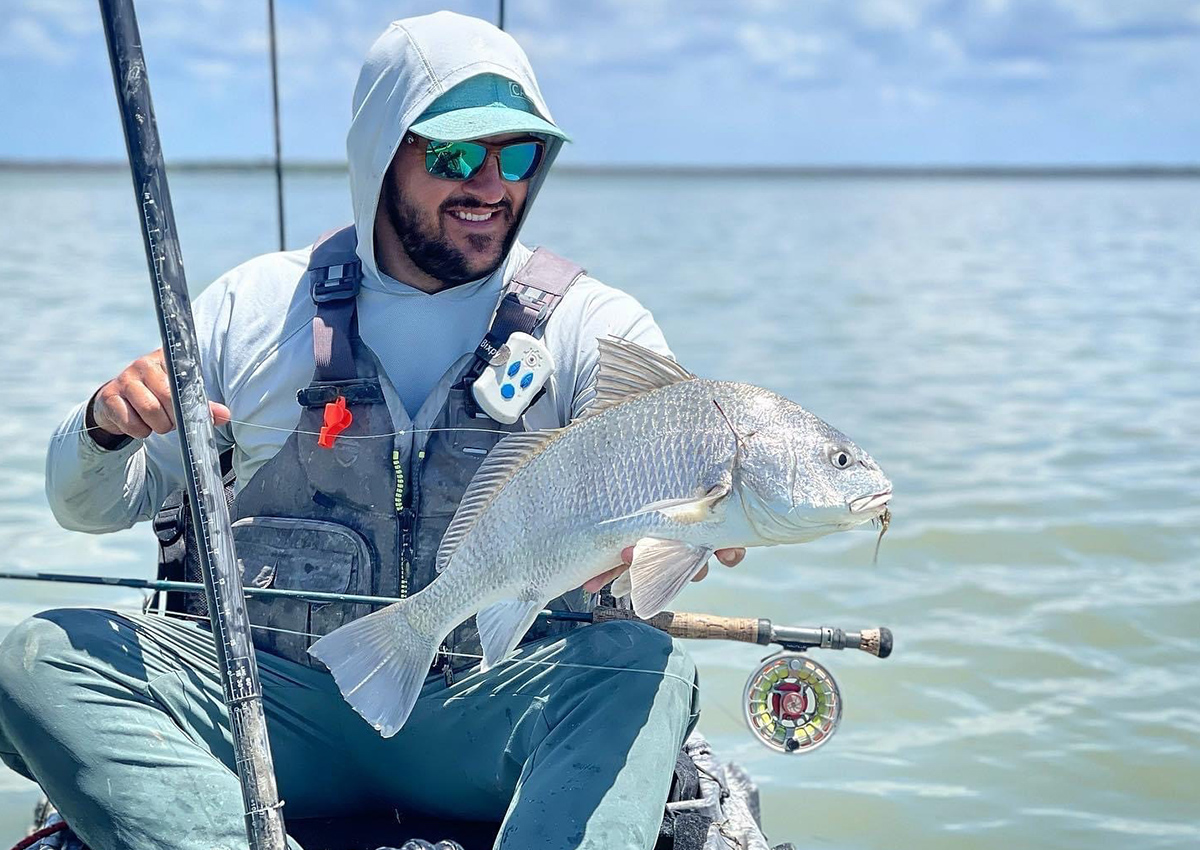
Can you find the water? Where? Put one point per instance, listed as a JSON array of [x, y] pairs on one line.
[[1019, 355]]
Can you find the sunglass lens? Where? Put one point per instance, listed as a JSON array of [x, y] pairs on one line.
[[519, 162], [454, 160]]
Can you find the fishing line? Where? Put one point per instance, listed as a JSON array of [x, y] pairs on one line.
[[343, 436], [444, 653], [184, 615]]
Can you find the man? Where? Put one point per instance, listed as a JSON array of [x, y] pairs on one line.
[[120, 718]]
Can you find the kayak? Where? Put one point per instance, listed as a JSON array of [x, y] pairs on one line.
[[712, 805]]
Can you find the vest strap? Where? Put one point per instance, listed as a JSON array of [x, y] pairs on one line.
[[334, 275], [546, 277], [530, 298]]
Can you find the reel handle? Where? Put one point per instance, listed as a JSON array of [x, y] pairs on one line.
[[877, 641]]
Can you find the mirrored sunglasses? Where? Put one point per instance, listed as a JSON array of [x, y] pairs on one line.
[[462, 160]]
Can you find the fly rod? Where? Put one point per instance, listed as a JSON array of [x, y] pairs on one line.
[[275, 112], [210, 515], [877, 642]]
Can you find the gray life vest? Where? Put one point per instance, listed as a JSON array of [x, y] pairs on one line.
[[367, 515]]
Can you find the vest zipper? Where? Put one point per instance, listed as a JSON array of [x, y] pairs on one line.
[[406, 526]]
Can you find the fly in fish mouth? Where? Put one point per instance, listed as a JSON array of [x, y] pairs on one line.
[[863, 504], [884, 519]]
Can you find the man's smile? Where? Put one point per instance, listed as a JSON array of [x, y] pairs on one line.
[[479, 220]]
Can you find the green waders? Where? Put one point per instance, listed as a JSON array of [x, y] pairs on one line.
[[121, 720]]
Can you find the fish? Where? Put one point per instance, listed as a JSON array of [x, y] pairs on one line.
[[673, 464]]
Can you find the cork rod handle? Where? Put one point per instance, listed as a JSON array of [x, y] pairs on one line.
[[696, 626]]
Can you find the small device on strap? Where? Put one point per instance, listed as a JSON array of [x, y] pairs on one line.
[[511, 364], [513, 377]]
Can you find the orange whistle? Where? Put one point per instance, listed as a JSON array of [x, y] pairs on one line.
[[337, 420]]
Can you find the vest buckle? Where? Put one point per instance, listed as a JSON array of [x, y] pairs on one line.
[[335, 283]]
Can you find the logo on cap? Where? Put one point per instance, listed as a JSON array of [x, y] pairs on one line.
[[516, 91]]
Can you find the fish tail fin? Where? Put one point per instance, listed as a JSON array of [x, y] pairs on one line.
[[379, 662]]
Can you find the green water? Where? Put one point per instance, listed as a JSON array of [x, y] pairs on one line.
[[1019, 355]]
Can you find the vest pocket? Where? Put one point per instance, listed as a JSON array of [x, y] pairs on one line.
[[287, 553]]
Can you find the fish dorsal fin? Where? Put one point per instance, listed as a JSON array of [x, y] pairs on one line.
[[627, 370], [502, 462]]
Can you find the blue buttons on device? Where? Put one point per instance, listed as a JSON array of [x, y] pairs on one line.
[[505, 387]]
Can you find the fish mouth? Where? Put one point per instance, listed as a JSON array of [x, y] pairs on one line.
[[872, 502]]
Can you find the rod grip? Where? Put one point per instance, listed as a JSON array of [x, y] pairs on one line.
[[692, 626]]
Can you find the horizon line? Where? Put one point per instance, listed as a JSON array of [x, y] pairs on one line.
[[1133, 169]]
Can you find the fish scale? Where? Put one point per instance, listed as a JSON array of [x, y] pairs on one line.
[[673, 464]]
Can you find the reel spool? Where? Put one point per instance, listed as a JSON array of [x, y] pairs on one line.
[[792, 703]]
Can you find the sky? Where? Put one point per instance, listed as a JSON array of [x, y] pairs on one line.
[[657, 82]]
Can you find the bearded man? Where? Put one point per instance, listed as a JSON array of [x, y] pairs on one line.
[[120, 718]]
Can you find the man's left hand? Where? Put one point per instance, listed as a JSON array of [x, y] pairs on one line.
[[728, 557]]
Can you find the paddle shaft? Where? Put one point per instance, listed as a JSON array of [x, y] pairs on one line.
[[222, 579]]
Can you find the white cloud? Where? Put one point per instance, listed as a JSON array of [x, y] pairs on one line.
[[28, 38], [1019, 69], [900, 55]]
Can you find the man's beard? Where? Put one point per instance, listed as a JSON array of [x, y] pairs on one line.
[[430, 249]]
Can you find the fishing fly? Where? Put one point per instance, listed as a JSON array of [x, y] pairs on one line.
[[885, 519]]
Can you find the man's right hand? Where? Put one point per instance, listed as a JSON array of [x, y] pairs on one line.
[[138, 401]]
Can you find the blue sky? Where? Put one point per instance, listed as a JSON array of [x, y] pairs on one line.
[[656, 81]]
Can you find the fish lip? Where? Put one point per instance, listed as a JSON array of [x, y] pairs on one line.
[[870, 502]]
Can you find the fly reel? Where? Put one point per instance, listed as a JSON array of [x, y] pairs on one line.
[[792, 703]]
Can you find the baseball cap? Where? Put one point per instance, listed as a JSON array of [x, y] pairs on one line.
[[485, 105]]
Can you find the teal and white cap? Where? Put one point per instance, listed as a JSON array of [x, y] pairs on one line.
[[485, 105]]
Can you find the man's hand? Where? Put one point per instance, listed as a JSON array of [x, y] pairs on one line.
[[728, 557], [138, 401]]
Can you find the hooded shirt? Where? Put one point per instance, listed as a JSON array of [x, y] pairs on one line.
[[254, 324]]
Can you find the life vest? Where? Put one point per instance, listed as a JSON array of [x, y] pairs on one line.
[[367, 514]]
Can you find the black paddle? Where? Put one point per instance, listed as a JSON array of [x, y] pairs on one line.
[[210, 515]]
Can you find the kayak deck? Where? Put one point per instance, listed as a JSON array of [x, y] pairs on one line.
[[712, 805]]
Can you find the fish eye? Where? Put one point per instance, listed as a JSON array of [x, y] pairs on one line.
[[842, 457]]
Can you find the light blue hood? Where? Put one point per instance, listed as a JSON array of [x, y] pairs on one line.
[[408, 67]]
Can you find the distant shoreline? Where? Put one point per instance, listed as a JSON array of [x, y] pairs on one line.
[[869, 171]]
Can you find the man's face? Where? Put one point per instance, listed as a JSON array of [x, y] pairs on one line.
[[437, 220]]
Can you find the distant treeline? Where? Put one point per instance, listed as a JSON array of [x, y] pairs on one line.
[[332, 167]]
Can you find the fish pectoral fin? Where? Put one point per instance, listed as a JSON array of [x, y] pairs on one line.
[[686, 511], [502, 625], [621, 585], [697, 510], [660, 570]]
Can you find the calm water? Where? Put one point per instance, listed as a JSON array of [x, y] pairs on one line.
[[1019, 355]]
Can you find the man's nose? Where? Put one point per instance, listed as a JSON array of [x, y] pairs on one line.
[[486, 184]]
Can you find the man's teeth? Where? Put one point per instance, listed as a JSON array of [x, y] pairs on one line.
[[466, 216]]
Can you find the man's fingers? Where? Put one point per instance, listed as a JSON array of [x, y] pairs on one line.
[[220, 413], [149, 407], [116, 416], [149, 372], [730, 557]]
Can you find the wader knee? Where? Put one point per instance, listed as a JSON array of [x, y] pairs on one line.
[[624, 649], [41, 656]]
